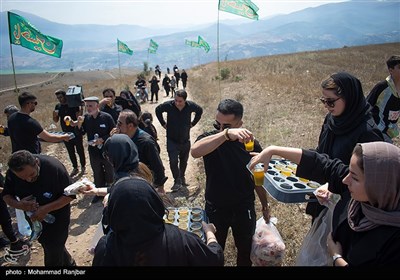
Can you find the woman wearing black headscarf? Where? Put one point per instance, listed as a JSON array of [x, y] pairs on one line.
[[138, 235], [347, 123]]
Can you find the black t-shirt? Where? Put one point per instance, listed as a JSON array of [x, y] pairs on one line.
[[64, 110], [228, 181], [53, 179], [23, 131], [114, 111], [101, 125], [140, 83]]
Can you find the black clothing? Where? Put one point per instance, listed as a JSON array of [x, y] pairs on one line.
[[179, 122], [178, 154], [114, 111], [6, 222], [379, 246], [149, 155], [184, 77], [131, 104], [49, 186], [140, 83], [75, 143], [230, 196], [154, 88], [166, 85], [139, 236], [341, 145], [340, 134], [102, 125], [23, 131], [228, 181]]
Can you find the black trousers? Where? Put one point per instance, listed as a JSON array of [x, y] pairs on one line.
[[76, 143], [6, 222], [53, 240], [242, 220], [103, 171], [178, 158]]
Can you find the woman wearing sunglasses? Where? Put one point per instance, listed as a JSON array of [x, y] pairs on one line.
[[348, 122]]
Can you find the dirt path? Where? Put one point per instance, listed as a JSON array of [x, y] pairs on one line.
[[85, 216]]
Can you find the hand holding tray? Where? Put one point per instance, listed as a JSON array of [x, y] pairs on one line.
[[282, 184]]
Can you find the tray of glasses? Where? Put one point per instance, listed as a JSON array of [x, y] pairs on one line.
[[282, 184], [187, 218]]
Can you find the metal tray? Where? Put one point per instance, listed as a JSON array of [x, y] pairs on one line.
[[71, 134], [190, 222], [281, 183]]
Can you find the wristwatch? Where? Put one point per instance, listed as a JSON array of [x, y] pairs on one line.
[[335, 257]]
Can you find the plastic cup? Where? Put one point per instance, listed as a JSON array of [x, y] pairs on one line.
[[249, 145], [183, 211], [303, 180], [258, 174], [286, 171], [279, 166]]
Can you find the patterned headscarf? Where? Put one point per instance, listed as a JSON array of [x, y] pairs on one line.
[[382, 185]]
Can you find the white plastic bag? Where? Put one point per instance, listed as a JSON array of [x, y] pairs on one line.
[[268, 248], [314, 251], [23, 226]]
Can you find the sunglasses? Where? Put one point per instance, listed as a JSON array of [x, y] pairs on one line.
[[218, 126], [33, 102], [329, 102]]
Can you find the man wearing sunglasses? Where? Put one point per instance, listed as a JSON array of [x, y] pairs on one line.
[[179, 122], [229, 185], [25, 131]]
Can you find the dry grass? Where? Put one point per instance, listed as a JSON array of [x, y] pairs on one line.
[[280, 96]]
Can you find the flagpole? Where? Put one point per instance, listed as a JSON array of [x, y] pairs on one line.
[[12, 63], [218, 75], [119, 66]]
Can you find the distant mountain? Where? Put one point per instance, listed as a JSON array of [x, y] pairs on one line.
[[94, 46]]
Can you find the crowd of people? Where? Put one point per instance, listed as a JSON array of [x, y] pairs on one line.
[[355, 155]]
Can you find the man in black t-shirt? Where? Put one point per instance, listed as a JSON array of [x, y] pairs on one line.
[[229, 186], [179, 122], [62, 110], [97, 125], [39, 182], [25, 130]]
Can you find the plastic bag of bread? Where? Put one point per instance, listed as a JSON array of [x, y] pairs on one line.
[[268, 248]]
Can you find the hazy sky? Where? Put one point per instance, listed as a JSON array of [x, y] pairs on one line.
[[146, 12]]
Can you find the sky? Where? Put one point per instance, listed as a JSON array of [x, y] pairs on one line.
[[149, 13]]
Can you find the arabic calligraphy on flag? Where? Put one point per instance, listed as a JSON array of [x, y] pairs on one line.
[[122, 47], [26, 35], [244, 8]]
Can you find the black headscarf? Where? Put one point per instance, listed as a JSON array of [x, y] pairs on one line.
[[122, 153], [356, 110], [135, 213]]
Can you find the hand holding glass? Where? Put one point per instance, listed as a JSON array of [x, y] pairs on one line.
[[67, 120], [249, 145]]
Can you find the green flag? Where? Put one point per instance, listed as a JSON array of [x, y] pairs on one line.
[[192, 44], [203, 43], [153, 46], [26, 35], [244, 8], [122, 47]]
